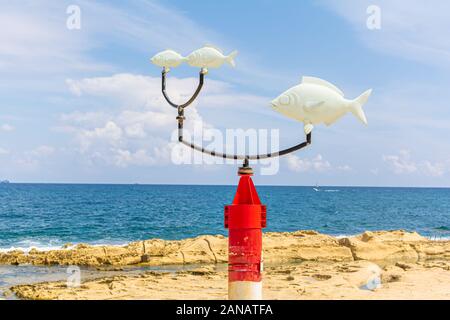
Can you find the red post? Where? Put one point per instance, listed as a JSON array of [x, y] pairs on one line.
[[245, 219]]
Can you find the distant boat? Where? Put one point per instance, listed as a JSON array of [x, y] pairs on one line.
[[316, 188], [4, 181]]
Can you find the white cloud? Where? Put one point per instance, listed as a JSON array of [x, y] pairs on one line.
[[37, 50], [138, 125], [6, 127], [242, 100], [35, 40], [31, 160], [315, 164], [435, 169], [111, 133], [124, 158], [141, 157], [300, 165], [146, 25], [416, 30], [42, 151], [402, 163], [38, 47], [85, 118], [3, 152], [344, 168]]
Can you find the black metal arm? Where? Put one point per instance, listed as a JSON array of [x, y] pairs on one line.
[[197, 91], [246, 158]]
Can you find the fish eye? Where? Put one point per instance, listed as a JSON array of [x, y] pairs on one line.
[[284, 99]]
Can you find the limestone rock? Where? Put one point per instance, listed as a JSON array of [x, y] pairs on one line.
[[303, 246], [389, 246], [278, 247], [392, 274]]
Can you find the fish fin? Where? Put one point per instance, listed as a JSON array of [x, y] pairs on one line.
[[308, 128], [230, 58], [208, 45], [321, 82], [356, 106], [313, 103]]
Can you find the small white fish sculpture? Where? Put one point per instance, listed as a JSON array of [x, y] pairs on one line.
[[167, 59], [210, 57], [317, 101]]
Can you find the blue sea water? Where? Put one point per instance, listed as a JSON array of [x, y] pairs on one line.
[[49, 215]]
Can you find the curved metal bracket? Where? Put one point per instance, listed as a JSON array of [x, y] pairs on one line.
[[197, 91], [246, 158]]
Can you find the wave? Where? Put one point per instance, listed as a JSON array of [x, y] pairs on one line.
[[442, 228], [28, 249], [341, 236], [432, 238], [27, 245], [437, 238]]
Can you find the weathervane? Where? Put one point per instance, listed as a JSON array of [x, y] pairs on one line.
[[313, 101]]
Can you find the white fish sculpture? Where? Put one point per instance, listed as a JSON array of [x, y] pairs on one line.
[[317, 101], [167, 59], [210, 57]]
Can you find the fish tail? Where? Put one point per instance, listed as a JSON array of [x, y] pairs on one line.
[[230, 58], [356, 106]]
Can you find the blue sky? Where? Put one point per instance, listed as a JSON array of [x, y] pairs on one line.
[[84, 105]]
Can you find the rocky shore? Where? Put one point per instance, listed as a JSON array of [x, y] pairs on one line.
[[283, 247], [299, 265]]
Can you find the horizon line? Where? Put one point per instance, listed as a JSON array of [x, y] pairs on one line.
[[219, 185]]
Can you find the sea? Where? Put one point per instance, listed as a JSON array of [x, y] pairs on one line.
[[47, 216]]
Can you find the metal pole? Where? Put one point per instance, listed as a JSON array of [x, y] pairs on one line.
[[245, 218]]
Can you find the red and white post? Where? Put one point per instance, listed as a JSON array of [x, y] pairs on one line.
[[245, 219]]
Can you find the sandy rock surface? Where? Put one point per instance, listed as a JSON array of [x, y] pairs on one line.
[[278, 247], [308, 280], [298, 265]]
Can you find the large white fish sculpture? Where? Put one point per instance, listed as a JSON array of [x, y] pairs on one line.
[[210, 57], [167, 59], [317, 101]]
